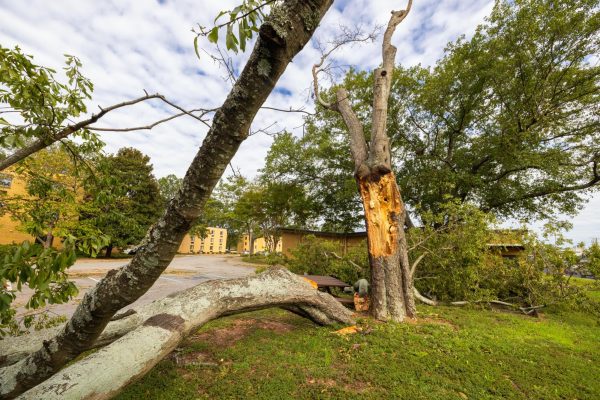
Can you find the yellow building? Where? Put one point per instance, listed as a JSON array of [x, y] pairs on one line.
[[260, 245], [11, 185], [215, 242]]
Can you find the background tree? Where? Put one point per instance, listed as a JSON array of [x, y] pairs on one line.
[[319, 163], [276, 205], [592, 255], [136, 201], [51, 210], [168, 187]]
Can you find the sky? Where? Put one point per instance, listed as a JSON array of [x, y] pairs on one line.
[[129, 46]]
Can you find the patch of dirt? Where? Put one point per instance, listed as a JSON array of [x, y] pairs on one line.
[[239, 329], [320, 382], [358, 386]]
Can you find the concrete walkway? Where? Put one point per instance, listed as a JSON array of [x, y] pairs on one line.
[[185, 271]]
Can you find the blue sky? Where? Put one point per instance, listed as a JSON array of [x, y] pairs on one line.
[[129, 46]]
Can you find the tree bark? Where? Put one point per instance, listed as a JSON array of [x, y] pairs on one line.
[[109, 249], [281, 37], [156, 329]]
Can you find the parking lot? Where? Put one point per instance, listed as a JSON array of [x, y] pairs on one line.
[[185, 271]]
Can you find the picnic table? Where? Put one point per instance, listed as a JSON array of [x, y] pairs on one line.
[[325, 283]]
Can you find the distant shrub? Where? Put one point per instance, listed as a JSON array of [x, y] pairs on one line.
[[316, 256]]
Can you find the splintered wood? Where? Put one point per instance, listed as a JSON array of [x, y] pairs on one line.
[[381, 200]]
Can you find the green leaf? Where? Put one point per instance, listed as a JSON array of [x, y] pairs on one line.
[[230, 40], [213, 36], [196, 47]]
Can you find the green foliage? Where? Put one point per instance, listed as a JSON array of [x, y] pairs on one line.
[[463, 261], [315, 256], [36, 104], [261, 208], [124, 197], [592, 257], [43, 270], [457, 263], [506, 119], [319, 162], [243, 22], [168, 187]]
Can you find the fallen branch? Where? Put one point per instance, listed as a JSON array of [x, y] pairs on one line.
[[525, 310], [155, 330], [355, 265], [424, 299]]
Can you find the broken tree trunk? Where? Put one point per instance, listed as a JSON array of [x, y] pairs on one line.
[[392, 294], [391, 283], [283, 34], [156, 329]]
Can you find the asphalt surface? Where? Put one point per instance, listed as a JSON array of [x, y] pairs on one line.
[[184, 271]]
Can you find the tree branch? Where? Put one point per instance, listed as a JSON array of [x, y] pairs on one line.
[[70, 129], [152, 125]]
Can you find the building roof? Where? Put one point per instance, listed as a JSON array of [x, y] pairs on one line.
[[323, 233]]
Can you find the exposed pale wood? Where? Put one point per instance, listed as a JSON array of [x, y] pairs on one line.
[[381, 201]]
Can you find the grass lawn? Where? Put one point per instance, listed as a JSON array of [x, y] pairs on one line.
[[449, 353]]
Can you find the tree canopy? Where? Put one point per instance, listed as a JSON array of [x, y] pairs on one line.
[[507, 120]]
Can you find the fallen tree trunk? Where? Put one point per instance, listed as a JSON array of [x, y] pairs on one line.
[[156, 329]]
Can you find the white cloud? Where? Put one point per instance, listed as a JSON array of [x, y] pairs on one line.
[[129, 46]]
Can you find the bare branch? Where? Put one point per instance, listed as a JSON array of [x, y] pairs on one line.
[[288, 110], [152, 125], [413, 268], [380, 150], [348, 36], [70, 129]]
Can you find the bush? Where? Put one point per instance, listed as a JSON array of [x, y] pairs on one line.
[[315, 256], [459, 264]]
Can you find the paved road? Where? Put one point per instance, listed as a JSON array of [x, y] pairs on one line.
[[184, 271]]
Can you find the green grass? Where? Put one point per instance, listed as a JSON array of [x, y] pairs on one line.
[[450, 353]]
